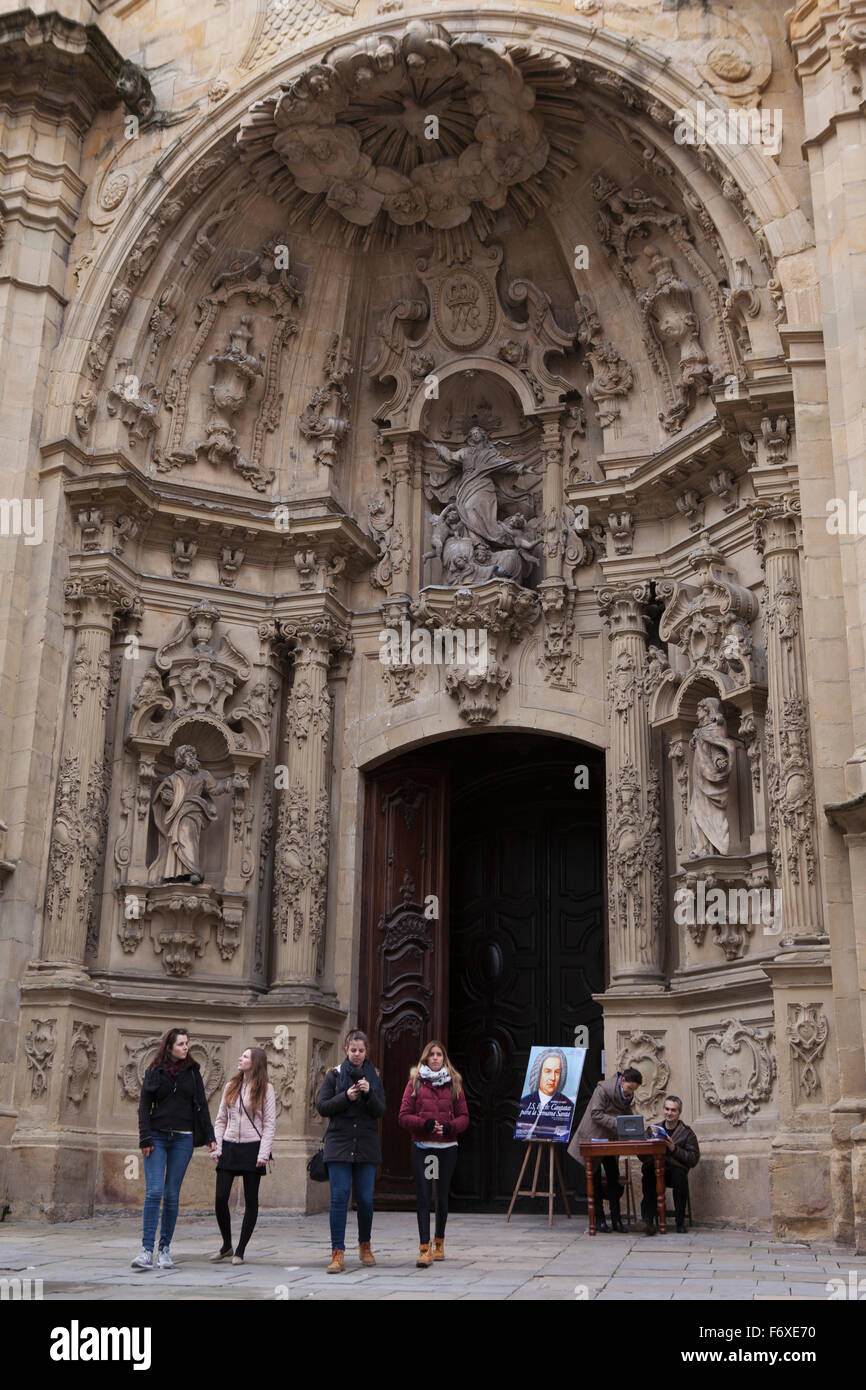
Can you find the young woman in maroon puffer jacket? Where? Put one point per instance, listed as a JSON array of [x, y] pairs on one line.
[[434, 1111]]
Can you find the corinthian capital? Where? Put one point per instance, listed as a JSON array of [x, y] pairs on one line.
[[624, 606]]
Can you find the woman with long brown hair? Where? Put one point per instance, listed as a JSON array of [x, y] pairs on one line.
[[173, 1119], [435, 1112], [245, 1127]]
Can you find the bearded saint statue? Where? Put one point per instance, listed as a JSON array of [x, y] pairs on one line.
[[182, 804]]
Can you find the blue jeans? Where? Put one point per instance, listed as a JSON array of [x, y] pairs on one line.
[[164, 1171], [342, 1177]]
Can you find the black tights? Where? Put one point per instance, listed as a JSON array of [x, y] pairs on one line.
[[446, 1162], [251, 1207]]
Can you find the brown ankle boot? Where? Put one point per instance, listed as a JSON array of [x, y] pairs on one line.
[[338, 1258], [439, 1247], [365, 1254], [425, 1257]]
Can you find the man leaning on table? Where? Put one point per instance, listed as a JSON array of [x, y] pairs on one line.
[[609, 1099], [683, 1153]]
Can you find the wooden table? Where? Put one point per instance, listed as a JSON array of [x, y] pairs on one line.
[[623, 1148]]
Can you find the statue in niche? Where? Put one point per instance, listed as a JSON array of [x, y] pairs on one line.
[[472, 540], [182, 804], [713, 762]]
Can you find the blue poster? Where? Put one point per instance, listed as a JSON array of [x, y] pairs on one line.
[[549, 1093]]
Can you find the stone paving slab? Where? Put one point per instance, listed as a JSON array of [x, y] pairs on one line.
[[525, 1260]]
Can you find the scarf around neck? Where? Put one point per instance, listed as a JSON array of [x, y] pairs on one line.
[[442, 1077], [174, 1068]]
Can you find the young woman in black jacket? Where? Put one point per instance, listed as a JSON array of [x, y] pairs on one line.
[[352, 1098], [173, 1119]]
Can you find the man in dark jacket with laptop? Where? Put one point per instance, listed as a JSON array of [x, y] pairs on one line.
[[683, 1153], [612, 1097]]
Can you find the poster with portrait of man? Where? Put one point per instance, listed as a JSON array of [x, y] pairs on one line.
[[549, 1093]]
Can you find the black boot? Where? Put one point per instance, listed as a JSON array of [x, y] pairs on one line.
[[614, 1219]]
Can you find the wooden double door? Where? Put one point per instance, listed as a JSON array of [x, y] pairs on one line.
[[483, 925]]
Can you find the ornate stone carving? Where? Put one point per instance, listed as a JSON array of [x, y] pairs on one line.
[[735, 1069], [646, 1052], [202, 670], [560, 655], [83, 1062], [622, 685], [97, 354], [791, 792], [321, 1052], [90, 672], [300, 865], [636, 846], [726, 487], [229, 565], [612, 375], [776, 439], [808, 1031], [236, 369], [179, 942], [326, 418], [710, 624], [330, 126], [671, 324], [282, 1054], [690, 506], [91, 522], [137, 403], [78, 835], [621, 526], [501, 610], [183, 552], [40, 1044]]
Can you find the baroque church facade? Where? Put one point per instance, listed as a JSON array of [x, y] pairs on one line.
[[342, 332]]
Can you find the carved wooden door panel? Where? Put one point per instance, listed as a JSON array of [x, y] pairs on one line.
[[527, 951], [404, 966]]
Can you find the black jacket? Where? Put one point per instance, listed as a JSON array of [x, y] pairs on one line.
[[174, 1102], [686, 1151], [352, 1135]]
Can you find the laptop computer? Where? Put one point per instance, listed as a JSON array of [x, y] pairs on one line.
[[630, 1127]]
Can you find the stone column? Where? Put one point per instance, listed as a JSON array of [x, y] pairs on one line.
[[303, 807], [401, 545], [552, 504], [790, 784], [635, 847], [81, 799]]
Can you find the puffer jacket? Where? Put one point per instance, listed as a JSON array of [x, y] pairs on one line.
[[432, 1103], [352, 1135], [240, 1127]]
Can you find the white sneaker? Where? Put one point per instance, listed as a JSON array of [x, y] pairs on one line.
[[165, 1261], [144, 1260]]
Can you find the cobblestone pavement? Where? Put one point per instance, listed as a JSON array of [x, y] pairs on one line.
[[486, 1259]]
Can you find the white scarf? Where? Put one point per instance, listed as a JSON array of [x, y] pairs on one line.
[[442, 1077]]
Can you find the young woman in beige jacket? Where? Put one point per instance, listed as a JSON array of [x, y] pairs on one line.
[[244, 1132]]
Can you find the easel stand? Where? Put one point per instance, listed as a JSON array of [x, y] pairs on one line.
[[553, 1158]]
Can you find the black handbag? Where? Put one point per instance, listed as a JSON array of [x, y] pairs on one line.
[[317, 1167], [239, 1158]]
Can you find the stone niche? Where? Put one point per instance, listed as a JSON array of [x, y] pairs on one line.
[[181, 904], [711, 716]]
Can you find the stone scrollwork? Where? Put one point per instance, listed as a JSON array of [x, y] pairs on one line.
[[560, 653], [282, 1053], [139, 1054], [320, 1056], [326, 417], [646, 1052], [136, 403], [711, 622], [40, 1045], [83, 1065], [808, 1031], [735, 1069]]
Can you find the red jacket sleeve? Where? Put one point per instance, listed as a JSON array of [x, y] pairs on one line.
[[407, 1118], [461, 1116]]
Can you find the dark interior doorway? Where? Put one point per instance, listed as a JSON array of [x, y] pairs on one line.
[[494, 827]]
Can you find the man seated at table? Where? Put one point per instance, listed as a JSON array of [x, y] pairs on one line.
[[683, 1153], [609, 1099]]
